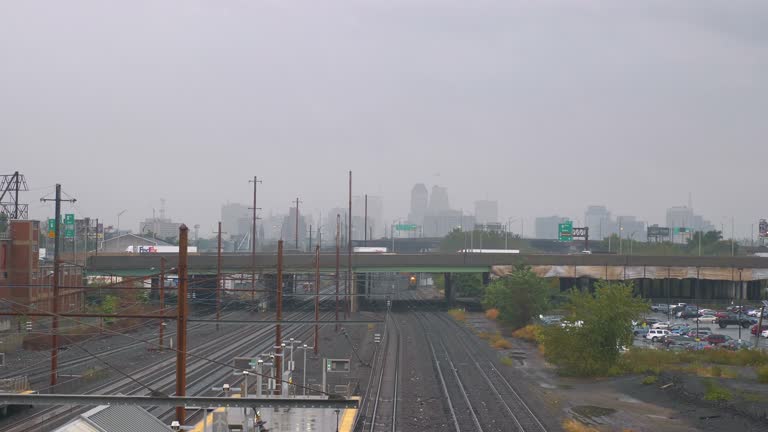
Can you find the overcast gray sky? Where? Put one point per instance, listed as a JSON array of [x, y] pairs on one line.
[[547, 106]]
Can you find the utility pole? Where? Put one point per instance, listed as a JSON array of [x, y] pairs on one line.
[[310, 239], [162, 302], [218, 278], [55, 296], [365, 222], [278, 335], [349, 251], [297, 223], [255, 182], [317, 299], [336, 275], [181, 326]]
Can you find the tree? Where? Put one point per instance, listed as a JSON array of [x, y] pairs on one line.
[[464, 284], [596, 327], [519, 296]]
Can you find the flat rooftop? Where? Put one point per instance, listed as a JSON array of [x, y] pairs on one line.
[[280, 419]]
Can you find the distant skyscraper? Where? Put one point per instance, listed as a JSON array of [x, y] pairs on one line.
[[419, 202], [598, 219], [438, 225], [438, 200], [546, 227], [486, 211], [680, 217], [231, 215], [375, 215], [289, 229]]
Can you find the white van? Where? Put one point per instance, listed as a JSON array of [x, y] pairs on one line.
[[656, 335]]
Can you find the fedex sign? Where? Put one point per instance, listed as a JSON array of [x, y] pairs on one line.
[[147, 249]]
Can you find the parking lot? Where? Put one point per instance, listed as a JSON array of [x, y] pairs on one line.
[[732, 330]]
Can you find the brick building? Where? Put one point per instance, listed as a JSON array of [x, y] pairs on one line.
[[26, 285]]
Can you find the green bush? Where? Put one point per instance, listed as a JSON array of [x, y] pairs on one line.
[[650, 379], [716, 393], [588, 347], [506, 361]]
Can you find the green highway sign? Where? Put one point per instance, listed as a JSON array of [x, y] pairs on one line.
[[69, 225], [565, 231], [51, 228], [405, 227]]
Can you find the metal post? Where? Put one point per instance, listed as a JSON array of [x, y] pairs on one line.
[[297, 224], [255, 181], [259, 371], [278, 329], [181, 326], [309, 249], [304, 369], [760, 326], [162, 302], [55, 298], [325, 362], [741, 303], [365, 223], [349, 253], [698, 281], [245, 395], [317, 296], [218, 279], [338, 223]]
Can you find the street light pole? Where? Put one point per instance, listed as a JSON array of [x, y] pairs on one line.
[[118, 229]]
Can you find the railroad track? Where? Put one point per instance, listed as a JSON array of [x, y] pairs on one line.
[[42, 371], [480, 391], [216, 375], [159, 376], [381, 412]]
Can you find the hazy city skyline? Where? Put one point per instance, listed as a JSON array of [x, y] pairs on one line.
[[125, 104]]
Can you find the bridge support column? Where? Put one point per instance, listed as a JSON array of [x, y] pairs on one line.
[[449, 294]]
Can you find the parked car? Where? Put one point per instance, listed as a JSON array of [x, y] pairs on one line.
[[754, 330], [706, 319], [661, 325], [721, 314], [656, 335], [700, 334], [707, 311], [660, 307], [717, 339], [688, 313], [679, 329], [640, 331], [764, 333], [735, 319], [651, 321], [676, 340], [736, 344]]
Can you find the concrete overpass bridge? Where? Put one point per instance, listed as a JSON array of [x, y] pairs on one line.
[[705, 277]]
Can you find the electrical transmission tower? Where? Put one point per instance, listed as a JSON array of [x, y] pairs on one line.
[[10, 186]]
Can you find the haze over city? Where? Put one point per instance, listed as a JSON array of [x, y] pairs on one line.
[[528, 103]]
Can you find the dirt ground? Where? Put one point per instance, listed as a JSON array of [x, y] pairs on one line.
[[613, 404]]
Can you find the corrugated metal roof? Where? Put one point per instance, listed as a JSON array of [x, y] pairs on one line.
[[117, 418]]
